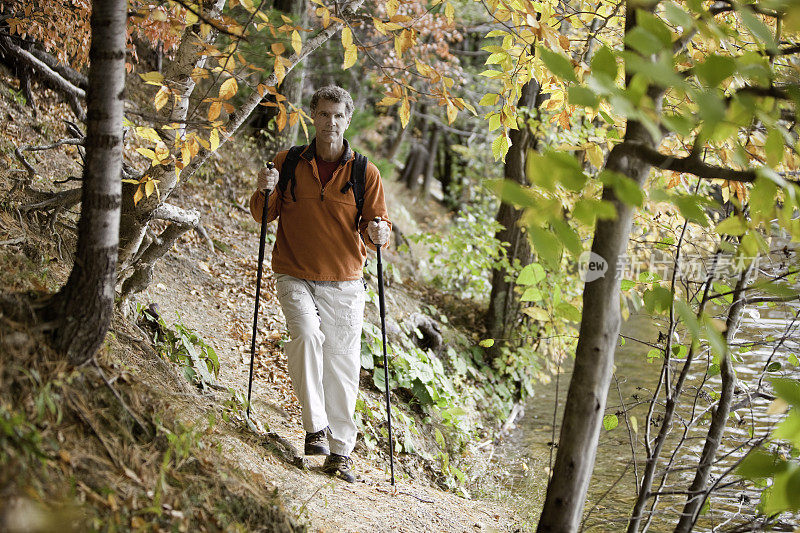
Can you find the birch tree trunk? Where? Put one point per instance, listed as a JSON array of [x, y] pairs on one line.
[[81, 311]]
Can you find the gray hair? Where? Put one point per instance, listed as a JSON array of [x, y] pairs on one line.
[[335, 94]]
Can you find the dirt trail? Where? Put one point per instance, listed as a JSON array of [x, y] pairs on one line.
[[214, 294]]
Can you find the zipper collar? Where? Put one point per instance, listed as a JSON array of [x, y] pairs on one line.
[[311, 150]]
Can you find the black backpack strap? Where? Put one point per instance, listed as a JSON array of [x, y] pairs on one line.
[[288, 168], [358, 180]]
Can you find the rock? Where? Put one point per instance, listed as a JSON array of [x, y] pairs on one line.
[[431, 332]]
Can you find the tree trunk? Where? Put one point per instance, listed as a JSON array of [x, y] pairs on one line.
[[594, 355], [503, 301], [82, 309], [291, 88], [433, 150]]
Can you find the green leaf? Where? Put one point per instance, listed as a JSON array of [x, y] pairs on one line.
[[513, 193], [734, 225], [655, 26], [610, 422], [643, 41], [568, 311], [379, 379], [774, 366], [546, 245], [489, 99], [588, 209], [679, 123], [557, 64], [774, 147], [486, 343], [500, 146], [677, 15], [582, 96], [715, 69], [531, 294], [762, 197], [566, 169], [658, 299], [604, 63], [788, 389], [758, 29], [689, 206], [627, 190], [568, 237], [793, 360], [531, 274]]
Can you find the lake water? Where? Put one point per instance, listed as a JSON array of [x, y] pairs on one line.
[[524, 457]]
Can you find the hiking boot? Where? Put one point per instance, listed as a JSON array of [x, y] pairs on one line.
[[317, 443], [339, 466]]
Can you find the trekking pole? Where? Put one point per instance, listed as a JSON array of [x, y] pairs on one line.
[[261, 243], [385, 359]]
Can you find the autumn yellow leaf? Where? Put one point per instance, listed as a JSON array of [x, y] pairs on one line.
[[213, 140], [347, 37], [138, 195], [388, 100], [404, 41], [595, 155], [452, 112], [281, 119], [153, 78], [149, 154], [186, 154], [449, 12], [213, 110], [350, 55], [297, 42], [149, 188], [286, 19], [379, 26], [405, 112], [280, 70], [162, 97], [228, 88], [391, 7], [248, 5]]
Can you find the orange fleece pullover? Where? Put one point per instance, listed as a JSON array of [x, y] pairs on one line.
[[317, 238]]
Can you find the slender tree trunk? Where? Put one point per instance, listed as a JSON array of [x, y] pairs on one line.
[[82, 309], [719, 419], [504, 303], [599, 331], [433, 150]]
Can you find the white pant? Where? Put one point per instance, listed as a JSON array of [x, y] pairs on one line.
[[324, 320]]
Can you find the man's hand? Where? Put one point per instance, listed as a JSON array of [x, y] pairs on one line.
[[267, 179], [378, 232]]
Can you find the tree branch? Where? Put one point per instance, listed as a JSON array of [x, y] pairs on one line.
[[687, 165], [73, 94]]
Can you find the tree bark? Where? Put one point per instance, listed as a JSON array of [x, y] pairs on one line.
[[504, 303], [433, 150], [81, 311]]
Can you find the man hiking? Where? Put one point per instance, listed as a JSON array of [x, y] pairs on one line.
[[325, 197]]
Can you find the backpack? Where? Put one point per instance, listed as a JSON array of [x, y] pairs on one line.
[[357, 177]]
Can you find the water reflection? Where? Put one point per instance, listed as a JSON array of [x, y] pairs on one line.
[[525, 456]]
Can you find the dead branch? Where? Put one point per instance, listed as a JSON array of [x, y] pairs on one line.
[[190, 218], [68, 73], [73, 95]]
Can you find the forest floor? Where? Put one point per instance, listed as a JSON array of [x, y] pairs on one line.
[[131, 444]]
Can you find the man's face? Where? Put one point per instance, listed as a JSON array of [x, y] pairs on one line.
[[330, 121]]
